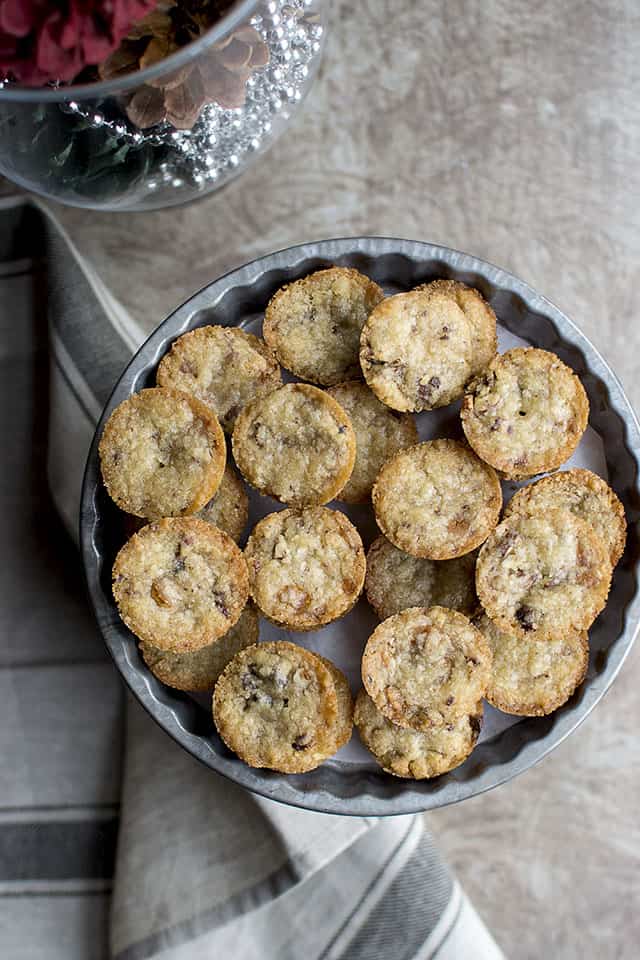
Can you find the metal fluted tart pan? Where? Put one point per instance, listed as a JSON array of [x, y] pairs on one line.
[[340, 787]]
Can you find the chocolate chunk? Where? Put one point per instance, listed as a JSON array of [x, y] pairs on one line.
[[507, 542], [476, 724], [302, 742], [426, 390], [526, 617], [220, 601]]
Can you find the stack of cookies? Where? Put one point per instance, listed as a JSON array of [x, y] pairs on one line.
[[472, 607]]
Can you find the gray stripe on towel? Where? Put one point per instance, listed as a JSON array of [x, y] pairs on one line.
[[404, 907], [58, 850]]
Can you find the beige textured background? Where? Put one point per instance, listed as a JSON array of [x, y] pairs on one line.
[[510, 130]]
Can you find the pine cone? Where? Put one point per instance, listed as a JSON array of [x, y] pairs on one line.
[[41, 42], [218, 75]]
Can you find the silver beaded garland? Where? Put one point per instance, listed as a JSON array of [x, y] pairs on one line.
[[223, 141]]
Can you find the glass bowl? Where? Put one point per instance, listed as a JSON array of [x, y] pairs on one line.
[[173, 131]]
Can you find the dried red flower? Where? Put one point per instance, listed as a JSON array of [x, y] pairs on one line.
[[43, 41]]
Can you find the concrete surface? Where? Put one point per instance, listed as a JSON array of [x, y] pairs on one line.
[[510, 130]]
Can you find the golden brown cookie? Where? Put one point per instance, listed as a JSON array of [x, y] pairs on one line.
[[526, 413], [314, 324], [275, 706], [229, 508], [437, 500], [295, 444], [480, 316], [380, 433], [200, 669], [180, 584], [416, 350], [583, 493], [530, 678], [426, 667], [543, 577], [395, 580], [224, 367], [413, 754], [306, 567], [343, 727], [162, 454]]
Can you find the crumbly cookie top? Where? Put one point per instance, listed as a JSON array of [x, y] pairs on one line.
[[426, 667], [314, 324], [199, 669], [437, 500], [180, 584], [295, 444], [543, 576], [526, 413], [162, 454], [224, 367], [416, 350], [584, 494], [380, 433], [480, 316], [275, 706], [411, 753], [306, 567], [395, 580], [533, 677]]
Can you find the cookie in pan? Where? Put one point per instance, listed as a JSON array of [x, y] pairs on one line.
[[343, 725], [414, 754], [306, 567], [583, 493], [295, 444], [228, 509], [426, 667], [224, 367], [416, 350], [275, 706], [180, 584], [480, 316], [526, 413], [162, 454], [531, 678], [395, 580], [380, 433], [543, 576], [437, 500], [198, 670], [314, 324]]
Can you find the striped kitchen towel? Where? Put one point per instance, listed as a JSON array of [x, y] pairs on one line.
[[202, 868]]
